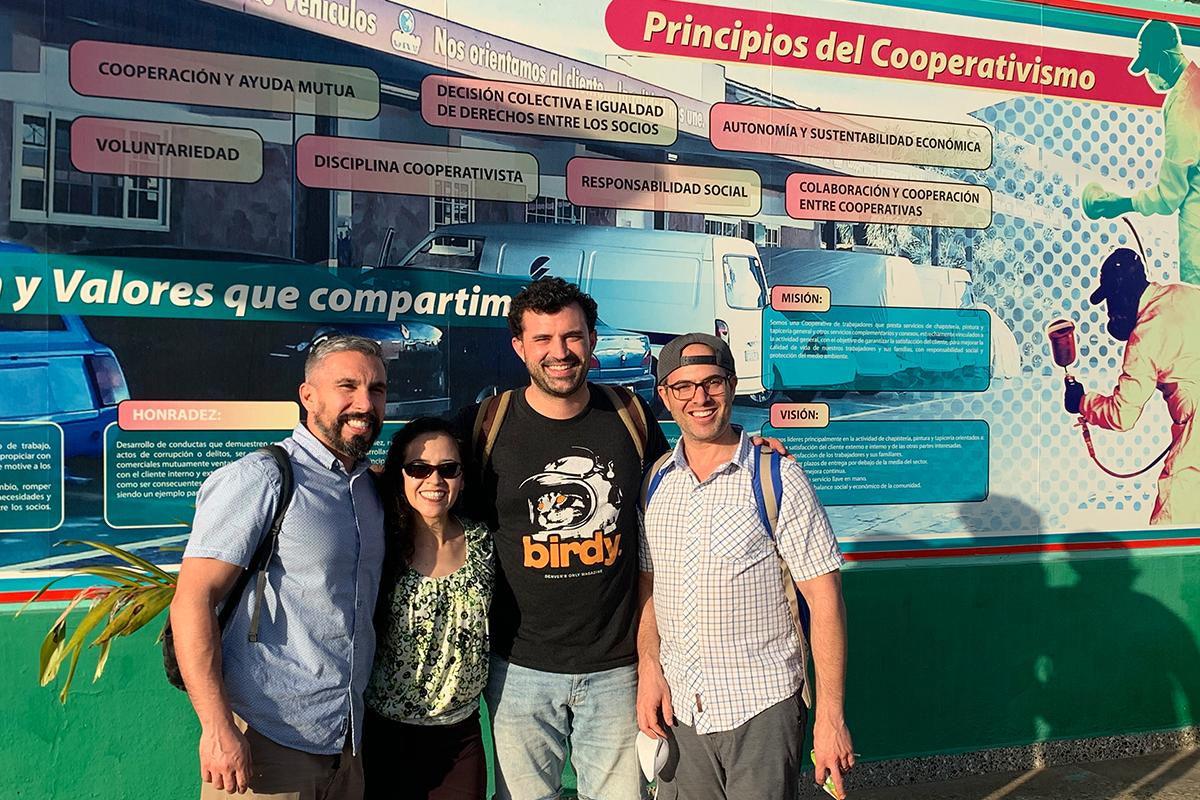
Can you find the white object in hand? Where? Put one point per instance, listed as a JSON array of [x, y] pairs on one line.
[[652, 755]]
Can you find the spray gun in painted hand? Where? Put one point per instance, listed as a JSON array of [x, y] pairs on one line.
[[1065, 352], [1062, 347]]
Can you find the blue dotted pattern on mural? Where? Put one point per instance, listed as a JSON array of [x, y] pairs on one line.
[[1038, 262]]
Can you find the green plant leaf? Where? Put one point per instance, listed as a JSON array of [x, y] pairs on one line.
[[62, 695], [101, 660], [122, 575], [162, 632], [79, 597], [122, 610], [139, 593], [74, 645], [128, 557], [50, 658], [56, 637], [137, 607], [38, 594], [152, 604]]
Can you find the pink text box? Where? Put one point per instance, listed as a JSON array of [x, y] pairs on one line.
[[799, 415], [222, 415], [166, 150], [648, 186], [521, 108], [855, 137], [196, 77], [888, 201], [370, 165], [800, 298]]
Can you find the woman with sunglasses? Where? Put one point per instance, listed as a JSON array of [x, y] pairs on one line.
[[422, 737]]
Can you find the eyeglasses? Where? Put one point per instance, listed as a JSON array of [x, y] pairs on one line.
[[420, 470], [686, 390]]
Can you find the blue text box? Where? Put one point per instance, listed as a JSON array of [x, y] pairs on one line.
[[871, 348], [31, 476], [892, 461]]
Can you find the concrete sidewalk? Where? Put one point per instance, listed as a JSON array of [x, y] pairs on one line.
[[1159, 776]]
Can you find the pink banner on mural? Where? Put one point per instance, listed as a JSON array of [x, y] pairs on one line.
[[147, 148], [522, 108], [739, 35], [888, 201], [370, 165], [648, 186], [855, 137], [221, 415], [799, 415], [167, 75], [800, 298]]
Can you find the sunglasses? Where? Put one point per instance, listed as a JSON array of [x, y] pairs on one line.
[[421, 470]]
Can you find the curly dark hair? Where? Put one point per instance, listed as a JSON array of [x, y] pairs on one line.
[[397, 513], [549, 295]]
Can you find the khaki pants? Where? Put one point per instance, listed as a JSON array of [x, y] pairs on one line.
[[281, 773]]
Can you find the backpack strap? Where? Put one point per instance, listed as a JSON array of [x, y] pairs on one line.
[[631, 413], [654, 477], [262, 555], [488, 420], [768, 494], [768, 488]]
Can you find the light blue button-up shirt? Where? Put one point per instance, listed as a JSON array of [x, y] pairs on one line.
[[301, 684]]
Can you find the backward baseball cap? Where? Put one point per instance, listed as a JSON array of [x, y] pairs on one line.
[[672, 358]]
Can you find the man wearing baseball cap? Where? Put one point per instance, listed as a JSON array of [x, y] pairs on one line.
[[1161, 325], [720, 662], [1168, 71]]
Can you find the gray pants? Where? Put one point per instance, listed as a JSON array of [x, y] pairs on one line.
[[759, 759]]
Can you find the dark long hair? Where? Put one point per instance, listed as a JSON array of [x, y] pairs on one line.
[[397, 513]]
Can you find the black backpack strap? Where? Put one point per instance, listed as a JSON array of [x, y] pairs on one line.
[[258, 562]]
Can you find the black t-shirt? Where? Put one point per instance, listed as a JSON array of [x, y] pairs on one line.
[[562, 496]]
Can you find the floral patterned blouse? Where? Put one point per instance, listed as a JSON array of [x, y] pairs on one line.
[[431, 661]]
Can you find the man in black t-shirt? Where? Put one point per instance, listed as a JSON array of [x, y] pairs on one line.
[[561, 489]]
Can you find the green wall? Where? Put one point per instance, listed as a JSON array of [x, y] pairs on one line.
[[952, 657], [129, 736], [945, 656]]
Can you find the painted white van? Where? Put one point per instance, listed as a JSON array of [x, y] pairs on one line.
[[659, 283], [870, 279]]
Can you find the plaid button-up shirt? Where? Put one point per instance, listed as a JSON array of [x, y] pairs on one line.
[[729, 647]]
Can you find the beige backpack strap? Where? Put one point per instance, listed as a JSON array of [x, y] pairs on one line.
[[793, 599], [488, 420], [652, 477], [630, 411], [769, 492]]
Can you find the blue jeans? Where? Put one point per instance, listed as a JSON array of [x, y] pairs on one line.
[[534, 713]]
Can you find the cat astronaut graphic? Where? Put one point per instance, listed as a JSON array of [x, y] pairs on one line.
[[573, 498]]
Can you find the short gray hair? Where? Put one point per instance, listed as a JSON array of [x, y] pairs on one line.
[[328, 344]]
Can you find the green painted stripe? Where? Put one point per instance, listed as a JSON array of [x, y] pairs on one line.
[[1065, 19]]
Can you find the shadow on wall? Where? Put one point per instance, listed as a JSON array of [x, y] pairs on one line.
[[971, 654]]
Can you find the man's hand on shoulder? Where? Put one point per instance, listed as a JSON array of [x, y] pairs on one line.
[[225, 758], [833, 751], [773, 443]]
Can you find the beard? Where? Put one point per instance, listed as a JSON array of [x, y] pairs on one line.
[[357, 445], [557, 386]]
